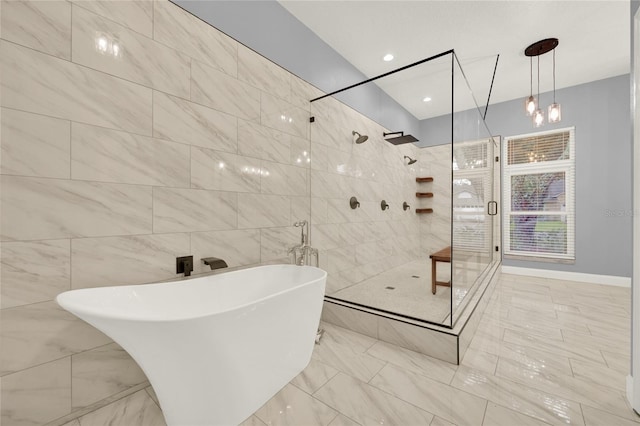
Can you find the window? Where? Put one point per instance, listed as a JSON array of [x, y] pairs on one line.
[[539, 193], [472, 180]]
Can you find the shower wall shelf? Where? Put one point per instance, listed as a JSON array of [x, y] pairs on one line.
[[424, 194], [422, 211], [424, 179]]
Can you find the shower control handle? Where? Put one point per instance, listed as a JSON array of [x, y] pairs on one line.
[[353, 202], [384, 205], [405, 206]]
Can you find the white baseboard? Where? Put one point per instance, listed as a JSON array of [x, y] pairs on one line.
[[569, 276]]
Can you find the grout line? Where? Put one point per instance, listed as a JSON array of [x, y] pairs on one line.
[[486, 408], [72, 7], [582, 413]]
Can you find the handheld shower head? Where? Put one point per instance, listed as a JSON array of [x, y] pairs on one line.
[[411, 160], [361, 138]]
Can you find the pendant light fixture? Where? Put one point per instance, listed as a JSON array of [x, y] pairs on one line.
[[538, 114], [555, 113], [532, 104]]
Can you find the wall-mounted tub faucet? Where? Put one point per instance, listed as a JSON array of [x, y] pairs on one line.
[[214, 262], [303, 253]]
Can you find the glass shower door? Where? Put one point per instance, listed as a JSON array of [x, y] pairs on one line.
[[473, 214], [473, 206]]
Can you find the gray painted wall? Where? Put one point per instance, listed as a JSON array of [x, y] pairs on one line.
[[600, 113], [269, 29]]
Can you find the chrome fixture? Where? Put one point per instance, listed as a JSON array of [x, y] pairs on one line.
[[303, 253], [361, 138], [405, 206], [531, 105], [384, 205], [411, 160], [214, 262], [353, 202], [399, 139]]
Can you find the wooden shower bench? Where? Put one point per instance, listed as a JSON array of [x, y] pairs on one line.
[[443, 255]]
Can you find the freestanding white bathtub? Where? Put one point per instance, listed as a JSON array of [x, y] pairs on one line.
[[214, 348]]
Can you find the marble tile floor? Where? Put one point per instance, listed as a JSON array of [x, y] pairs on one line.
[[542, 355]]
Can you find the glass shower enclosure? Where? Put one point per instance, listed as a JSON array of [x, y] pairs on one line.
[[403, 206]]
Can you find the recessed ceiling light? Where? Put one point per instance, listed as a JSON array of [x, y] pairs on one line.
[[388, 57], [426, 99]]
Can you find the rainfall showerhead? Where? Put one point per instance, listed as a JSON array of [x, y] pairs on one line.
[[411, 160], [361, 138], [399, 139]]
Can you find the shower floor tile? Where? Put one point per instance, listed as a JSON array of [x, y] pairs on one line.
[[406, 290]]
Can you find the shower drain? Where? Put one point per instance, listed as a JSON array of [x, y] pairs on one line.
[[390, 288], [415, 276]]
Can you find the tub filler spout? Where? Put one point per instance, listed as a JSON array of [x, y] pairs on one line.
[[215, 348], [214, 262]]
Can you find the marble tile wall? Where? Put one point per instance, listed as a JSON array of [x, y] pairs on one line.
[[184, 142], [357, 244], [113, 165]]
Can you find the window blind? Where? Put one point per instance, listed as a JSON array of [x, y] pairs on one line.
[[539, 195], [472, 180]]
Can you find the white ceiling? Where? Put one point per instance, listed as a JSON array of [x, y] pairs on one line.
[[593, 35]]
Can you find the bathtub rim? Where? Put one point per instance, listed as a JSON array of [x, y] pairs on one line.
[[68, 299]]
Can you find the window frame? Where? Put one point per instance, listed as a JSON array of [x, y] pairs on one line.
[[566, 166]]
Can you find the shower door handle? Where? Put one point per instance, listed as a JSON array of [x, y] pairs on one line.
[[492, 211]]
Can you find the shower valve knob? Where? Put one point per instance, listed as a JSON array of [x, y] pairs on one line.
[[353, 202]]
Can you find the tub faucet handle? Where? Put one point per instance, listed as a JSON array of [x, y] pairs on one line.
[[184, 265], [301, 224]]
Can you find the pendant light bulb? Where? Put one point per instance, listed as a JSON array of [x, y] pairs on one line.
[[530, 105], [538, 118], [554, 113]]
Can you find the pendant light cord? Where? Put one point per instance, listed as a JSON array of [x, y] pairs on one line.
[[530, 76], [554, 76], [538, 79]]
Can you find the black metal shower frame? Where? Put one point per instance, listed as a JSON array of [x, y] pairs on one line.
[[454, 59]]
